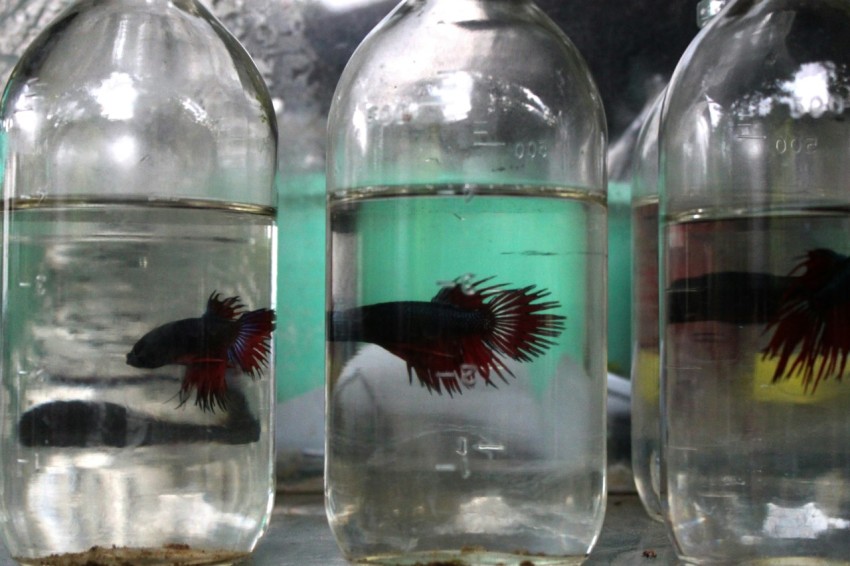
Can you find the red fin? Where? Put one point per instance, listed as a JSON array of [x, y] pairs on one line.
[[812, 334], [513, 326], [522, 331], [228, 308], [207, 377], [444, 368], [250, 350]]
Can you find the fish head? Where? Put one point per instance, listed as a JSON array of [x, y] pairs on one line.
[[145, 354]]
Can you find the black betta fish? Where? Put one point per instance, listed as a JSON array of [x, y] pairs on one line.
[[464, 327], [223, 337]]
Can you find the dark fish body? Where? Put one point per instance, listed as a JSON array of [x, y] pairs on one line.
[[407, 321], [464, 329], [187, 339], [223, 337], [736, 297]]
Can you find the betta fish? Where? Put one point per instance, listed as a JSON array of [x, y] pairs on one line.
[[465, 328], [813, 320], [225, 336]]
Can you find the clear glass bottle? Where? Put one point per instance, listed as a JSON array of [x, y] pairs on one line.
[[645, 413], [467, 239], [755, 214], [139, 150], [645, 417]]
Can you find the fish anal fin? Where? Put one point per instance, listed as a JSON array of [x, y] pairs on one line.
[[207, 379], [437, 381]]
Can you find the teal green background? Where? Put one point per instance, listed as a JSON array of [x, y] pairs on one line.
[[300, 335]]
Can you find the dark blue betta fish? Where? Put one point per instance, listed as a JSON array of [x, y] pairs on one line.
[[223, 337], [465, 327]]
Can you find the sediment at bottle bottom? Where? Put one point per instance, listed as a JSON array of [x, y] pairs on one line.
[[170, 554], [473, 556]]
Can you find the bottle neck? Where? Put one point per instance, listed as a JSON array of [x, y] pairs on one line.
[[707, 9]]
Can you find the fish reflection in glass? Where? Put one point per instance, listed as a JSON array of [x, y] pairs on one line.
[[225, 336], [466, 328], [806, 313]]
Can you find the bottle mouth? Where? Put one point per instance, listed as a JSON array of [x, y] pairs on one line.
[[707, 9]]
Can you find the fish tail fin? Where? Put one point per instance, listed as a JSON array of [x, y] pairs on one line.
[[811, 334], [250, 350], [522, 329], [513, 324], [207, 379], [519, 328]]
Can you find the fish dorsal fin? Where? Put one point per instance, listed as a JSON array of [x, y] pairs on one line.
[[228, 308], [463, 294]]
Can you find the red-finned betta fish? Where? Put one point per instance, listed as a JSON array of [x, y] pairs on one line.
[[464, 327], [813, 320], [225, 336]]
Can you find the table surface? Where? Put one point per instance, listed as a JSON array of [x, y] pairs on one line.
[[299, 536]]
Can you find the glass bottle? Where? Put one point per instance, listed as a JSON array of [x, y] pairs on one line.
[[620, 158], [645, 417], [466, 337], [645, 413], [139, 147], [754, 211]]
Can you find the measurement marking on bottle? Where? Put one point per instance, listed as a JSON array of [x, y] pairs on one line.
[[487, 447], [467, 375], [747, 134], [781, 144], [796, 145], [483, 136], [461, 446]]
